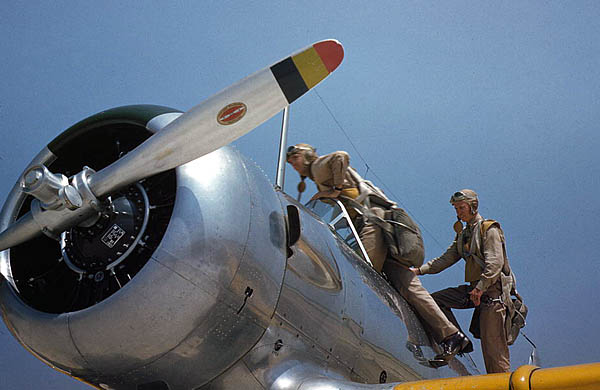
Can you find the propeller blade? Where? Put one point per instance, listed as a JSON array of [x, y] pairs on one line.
[[224, 117], [208, 126]]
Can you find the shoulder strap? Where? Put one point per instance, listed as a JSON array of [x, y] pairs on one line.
[[483, 228], [487, 224], [367, 189], [362, 187]]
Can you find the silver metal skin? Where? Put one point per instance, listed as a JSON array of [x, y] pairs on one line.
[[338, 324], [188, 315], [225, 302], [281, 160]]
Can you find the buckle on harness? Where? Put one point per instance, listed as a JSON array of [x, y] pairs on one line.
[[489, 301]]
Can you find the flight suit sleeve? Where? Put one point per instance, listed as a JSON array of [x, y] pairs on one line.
[[338, 164], [439, 264], [493, 258]]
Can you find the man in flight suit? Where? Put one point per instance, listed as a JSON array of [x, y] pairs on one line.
[[331, 173], [485, 262]]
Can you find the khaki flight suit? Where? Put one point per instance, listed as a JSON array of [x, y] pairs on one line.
[[490, 315], [330, 171]]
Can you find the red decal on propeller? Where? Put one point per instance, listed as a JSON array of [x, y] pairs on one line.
[[231, 113]]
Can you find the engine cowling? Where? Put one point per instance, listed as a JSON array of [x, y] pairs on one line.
[[169, 285]]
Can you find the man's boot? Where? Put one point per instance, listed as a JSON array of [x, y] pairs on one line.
[[452, 345]]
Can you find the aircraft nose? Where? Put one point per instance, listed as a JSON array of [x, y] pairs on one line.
[[202, 300]]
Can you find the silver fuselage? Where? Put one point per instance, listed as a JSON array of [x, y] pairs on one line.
[[220, 304]]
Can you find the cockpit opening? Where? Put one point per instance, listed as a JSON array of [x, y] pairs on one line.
[[333, 212]]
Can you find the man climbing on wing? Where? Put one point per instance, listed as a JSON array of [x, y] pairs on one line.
[[336, 179], [491, 282]]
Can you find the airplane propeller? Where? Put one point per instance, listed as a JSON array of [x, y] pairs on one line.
[[60, 204]]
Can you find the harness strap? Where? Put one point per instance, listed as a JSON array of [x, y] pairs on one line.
[[376, 219], [484, 227], [367, 189]]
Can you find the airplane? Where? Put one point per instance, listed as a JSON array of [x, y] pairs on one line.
[[140, 252]]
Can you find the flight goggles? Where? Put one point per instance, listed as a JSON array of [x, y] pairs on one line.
[[457, 197], [463, 196], [296, 149]]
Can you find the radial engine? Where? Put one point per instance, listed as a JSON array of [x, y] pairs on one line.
[[163, 278]]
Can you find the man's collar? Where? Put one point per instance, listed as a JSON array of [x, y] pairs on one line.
[[476, 219]]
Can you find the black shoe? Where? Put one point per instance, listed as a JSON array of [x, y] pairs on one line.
[[467, 348], [436, 363], [452, 345]]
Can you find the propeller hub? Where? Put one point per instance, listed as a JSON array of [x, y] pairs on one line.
[[32, 177], [49, 188], [106, 243]]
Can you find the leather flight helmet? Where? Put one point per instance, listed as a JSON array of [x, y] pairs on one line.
[[472, 200], [310, 155], [308, 151], [468, 196]]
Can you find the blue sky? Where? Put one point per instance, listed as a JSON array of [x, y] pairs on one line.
[[501, 97]]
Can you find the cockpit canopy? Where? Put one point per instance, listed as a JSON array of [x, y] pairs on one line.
[[333, 213]]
